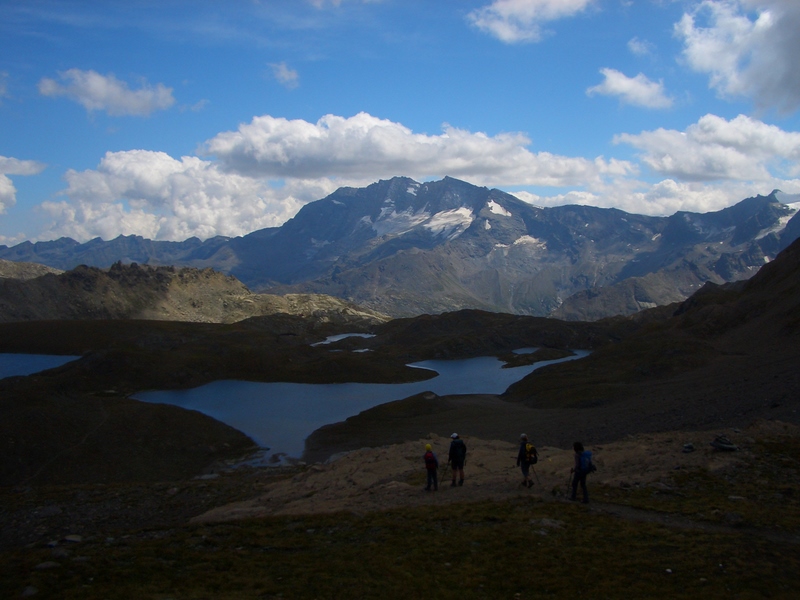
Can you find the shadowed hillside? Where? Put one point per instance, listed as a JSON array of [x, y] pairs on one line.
[[728, 351]]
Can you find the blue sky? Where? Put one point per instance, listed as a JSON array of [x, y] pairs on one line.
[[172, 118]]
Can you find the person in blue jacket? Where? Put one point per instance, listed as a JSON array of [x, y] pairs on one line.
[[579, 473]]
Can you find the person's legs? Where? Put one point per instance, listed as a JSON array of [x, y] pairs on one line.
[[575, 479], [430, 479], [458, 469], [585, 491]]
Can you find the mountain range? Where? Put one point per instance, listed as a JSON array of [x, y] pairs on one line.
[[404, 248]]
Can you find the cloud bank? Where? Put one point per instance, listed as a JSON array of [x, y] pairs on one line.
[[154, 195], [366, 147], [261, 174], [714, 149]]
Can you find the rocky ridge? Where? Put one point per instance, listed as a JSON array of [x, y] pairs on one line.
[[157, 293], [23, 271]]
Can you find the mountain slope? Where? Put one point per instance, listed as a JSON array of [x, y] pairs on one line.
[[22, 270], [158, 293], [729, 352], [405, 248]]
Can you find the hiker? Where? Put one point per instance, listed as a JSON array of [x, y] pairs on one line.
[[526, 457], [431, 466], [583, 466], [457, 457]]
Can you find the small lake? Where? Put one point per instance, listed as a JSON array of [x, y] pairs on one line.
[[28, 364], [280, 416]]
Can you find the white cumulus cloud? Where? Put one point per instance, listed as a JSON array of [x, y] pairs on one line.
[[14, 166], [742, 149], [638, 91], [107, 93], [747, 47], [514, 21], [367, 147], [159, 197]]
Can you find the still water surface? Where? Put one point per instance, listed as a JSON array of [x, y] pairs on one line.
[[27, 364], [281, 416]]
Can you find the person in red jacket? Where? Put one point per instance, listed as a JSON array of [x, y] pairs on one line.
[[431, 467]]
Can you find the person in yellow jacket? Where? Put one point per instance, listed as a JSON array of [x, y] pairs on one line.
[[432, 468]]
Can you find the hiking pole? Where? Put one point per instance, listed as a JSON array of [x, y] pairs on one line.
[[537, 475]]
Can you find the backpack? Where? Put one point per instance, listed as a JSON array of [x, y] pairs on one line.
[[430, 461], [587, 466], [531, 456], [459, 449]]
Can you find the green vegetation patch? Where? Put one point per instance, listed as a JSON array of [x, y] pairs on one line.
[[761, 490], [486, 550]]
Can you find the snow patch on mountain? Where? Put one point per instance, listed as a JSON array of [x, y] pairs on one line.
[[531, 241], [412, 189], [781, 224], [450, 223], [496, 209], [392, 222], [486, 225]]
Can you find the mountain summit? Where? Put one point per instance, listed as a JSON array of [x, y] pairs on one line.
[[404, 248]]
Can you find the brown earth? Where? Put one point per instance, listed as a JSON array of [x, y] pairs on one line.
[[392, 476]]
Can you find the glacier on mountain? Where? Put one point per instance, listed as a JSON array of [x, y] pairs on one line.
[[450, 223], [392, 222]]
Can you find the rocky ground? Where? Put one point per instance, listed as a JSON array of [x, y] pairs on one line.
[[373, 479]]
